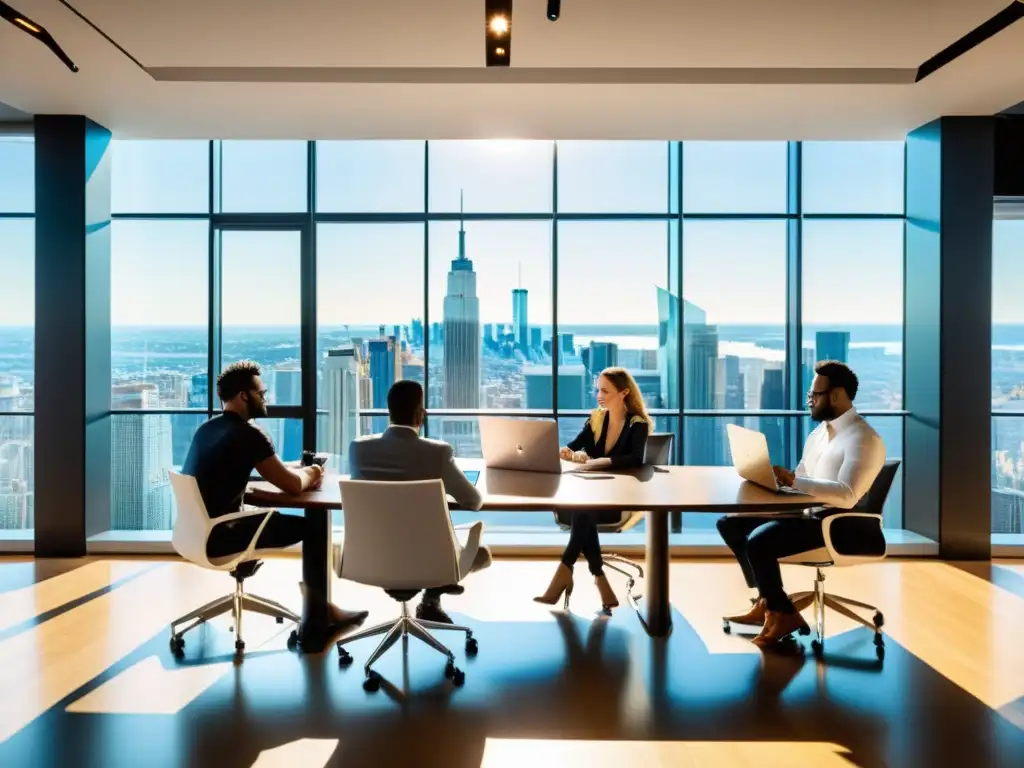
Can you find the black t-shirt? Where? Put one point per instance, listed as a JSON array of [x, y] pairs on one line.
[[223, 454]]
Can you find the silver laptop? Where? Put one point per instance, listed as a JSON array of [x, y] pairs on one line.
[[530, 445], [749, 450]]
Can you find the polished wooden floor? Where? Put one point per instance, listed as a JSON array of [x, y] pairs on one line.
[[87, 678]]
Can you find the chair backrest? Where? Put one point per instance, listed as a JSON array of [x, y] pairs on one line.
[[398, 534], [659, 448], [192, 526], [873, 502]]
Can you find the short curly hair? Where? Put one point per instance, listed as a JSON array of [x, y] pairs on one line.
[[236, 378], [839, 374]]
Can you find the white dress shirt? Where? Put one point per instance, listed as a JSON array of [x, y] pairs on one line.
[[841, 459]]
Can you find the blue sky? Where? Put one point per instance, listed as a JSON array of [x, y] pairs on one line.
[[608, 270]]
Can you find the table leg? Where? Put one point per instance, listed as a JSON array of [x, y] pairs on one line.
[[314, 631], [656, 611]]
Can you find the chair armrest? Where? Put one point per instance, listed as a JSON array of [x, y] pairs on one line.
[[240, 515], [826, 531], [463, 526], [245, 513]]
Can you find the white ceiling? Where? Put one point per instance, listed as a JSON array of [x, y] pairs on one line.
[[693, 69]]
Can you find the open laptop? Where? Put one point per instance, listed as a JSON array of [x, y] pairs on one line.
[[749, 450], [529, 445]]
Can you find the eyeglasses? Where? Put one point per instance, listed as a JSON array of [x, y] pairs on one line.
[[813, 394]]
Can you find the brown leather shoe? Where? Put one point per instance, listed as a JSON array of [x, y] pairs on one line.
[[753, 617], [778, 625]]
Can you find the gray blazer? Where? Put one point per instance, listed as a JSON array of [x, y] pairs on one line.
[[401, 454]]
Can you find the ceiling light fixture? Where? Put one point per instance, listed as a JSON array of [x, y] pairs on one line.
[[37, 31], [498, 32], [554, 9], [1012, 13]]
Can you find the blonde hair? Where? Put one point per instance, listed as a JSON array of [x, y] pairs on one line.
[[621, 379]]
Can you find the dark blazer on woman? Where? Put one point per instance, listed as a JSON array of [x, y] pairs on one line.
[[628, 450]]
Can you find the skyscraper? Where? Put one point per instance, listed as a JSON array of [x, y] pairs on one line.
[[385, 368], [602, 354], [198, 393], [566, 342], [535, 339], [773, 397], [833, 345], [288, 390], [668, 347], [341, 398], [417, 333], [572, 387], [17, 477], [520, 324], [704, 443], [461, 332], [141, 454]]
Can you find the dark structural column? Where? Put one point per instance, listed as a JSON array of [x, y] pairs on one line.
[[948, 306], [72, 388]]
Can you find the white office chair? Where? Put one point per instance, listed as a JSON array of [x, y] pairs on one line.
[[191, 531], [658, 451], [399, 537], [867, 542]]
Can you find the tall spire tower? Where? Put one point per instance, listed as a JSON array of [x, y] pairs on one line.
[[462, 340], [520, 323]]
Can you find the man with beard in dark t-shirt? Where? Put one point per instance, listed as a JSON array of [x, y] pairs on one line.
[[224, 452]]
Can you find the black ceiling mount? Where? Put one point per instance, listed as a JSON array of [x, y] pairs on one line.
[[38, 31], [498, 32], [975, 37]]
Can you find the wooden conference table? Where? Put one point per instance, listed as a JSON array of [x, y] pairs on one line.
[[657, 490]]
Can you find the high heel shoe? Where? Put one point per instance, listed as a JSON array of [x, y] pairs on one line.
[[608, 598], [560, 582]]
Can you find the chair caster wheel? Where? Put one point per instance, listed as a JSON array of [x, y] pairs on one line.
[[344, 658], [458, 678], [372, 682], [280, 619], [804, 631], [293, 640], [817, 648], [879, 620], [471, 646], [727, 627], [450, 669], [239, 646], [177, 645]]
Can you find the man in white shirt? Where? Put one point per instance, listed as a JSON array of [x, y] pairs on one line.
[[842, 457]]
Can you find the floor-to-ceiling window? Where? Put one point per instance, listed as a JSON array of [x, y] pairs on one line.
[[1007, 376], [17, 337], [502, 275]]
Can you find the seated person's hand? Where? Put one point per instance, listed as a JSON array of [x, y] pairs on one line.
[[783, 476], [318, 476], [580, 457], [565, 453]]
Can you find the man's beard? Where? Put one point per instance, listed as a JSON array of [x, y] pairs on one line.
[[257, 411], [824, 413]]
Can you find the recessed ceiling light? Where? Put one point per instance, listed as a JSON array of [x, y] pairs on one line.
[[499, 25]]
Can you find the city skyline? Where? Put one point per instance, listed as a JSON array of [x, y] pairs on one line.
[[619, 271]]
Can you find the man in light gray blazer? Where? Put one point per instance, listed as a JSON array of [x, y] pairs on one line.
[[401, 454]]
